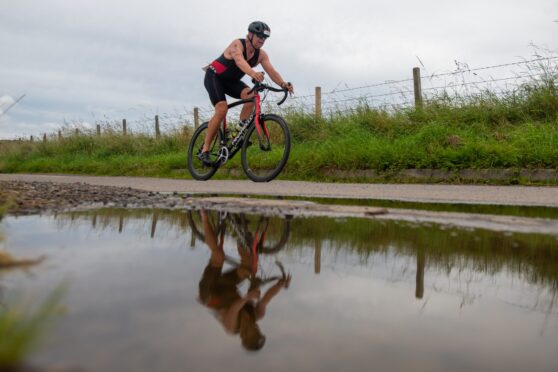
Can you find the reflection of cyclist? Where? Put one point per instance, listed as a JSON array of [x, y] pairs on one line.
[[223, 76], [219, 291]]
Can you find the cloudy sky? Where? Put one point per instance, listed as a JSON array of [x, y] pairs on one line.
[[88, 61]]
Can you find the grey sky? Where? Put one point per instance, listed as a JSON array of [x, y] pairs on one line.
[[90, 60]]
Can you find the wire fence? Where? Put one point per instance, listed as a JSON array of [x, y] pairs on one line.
[[391, 95]]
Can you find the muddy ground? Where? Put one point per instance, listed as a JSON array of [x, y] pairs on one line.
[[24, 198], [37, 197]]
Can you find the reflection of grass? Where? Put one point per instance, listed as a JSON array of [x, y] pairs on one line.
[[530, 256], [20, 329]]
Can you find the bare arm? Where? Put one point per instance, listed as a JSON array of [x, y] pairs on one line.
[[269, 294]]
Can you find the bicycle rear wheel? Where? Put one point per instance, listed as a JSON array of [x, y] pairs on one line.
[[264, 155], [196, 167]]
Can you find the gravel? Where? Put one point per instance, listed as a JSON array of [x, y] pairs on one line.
[[24, 198]]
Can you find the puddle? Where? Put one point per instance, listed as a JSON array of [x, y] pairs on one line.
[[162, 290]]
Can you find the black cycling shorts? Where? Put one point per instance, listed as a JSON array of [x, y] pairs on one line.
[[217, 87]]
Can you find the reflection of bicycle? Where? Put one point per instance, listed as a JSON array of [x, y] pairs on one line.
[[270, 235], [265, 143]]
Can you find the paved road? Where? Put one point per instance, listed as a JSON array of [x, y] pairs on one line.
[[501, 195]]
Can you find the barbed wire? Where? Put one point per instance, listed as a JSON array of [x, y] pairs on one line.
[[478, 82], [393, 82], [491, 67], [339, 101], [336, 91]]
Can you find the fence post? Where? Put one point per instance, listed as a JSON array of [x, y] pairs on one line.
[[77, 132], [98, 129], [318, 102], [417, 86], [196, 118], [44, 137], [59, 135], [124, 126], [31, 138], [157, 130]]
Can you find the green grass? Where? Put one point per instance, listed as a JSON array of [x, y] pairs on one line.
[[21, 328], [515, 130], [21, 325]]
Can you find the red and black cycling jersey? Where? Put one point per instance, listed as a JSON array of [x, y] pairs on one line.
[[227, 69]]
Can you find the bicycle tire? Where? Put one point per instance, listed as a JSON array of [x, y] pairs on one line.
[[281, 242], [197, 169], [279, 234], [196, 226], [264, 158]]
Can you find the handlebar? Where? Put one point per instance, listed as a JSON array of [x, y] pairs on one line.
[[258, 87]]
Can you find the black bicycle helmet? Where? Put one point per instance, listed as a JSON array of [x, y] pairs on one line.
[[260, 29]]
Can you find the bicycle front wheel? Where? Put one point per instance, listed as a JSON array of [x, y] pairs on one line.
[[197, 169], [265, 154]]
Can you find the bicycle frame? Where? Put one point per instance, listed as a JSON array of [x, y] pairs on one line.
[[257, 113]]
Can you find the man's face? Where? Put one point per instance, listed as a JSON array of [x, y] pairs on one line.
[[258, 41]]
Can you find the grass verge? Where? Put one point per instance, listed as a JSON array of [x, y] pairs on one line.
[[518, 129]]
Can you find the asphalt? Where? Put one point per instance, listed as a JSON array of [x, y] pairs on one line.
[[427, 193]]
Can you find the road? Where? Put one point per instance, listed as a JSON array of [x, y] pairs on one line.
[[467, 194]]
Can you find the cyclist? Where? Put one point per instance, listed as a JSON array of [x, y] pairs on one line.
[[219, 291], [223, 76]]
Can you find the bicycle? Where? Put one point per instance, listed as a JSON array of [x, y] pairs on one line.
[[261, 163], [267, 238]]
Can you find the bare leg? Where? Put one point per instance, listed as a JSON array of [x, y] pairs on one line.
[[214, 122], [217, 254]]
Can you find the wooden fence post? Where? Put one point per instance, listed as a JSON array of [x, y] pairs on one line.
[[77, 132], [157, 130], [59, 135], [31, 138], [124, 130], [44, 138], [98, 129], [196, 118], [417, 86], [318, 102]]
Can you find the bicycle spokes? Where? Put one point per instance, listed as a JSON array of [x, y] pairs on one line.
[[264, 161]]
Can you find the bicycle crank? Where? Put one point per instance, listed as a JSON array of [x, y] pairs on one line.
[[223, 155]]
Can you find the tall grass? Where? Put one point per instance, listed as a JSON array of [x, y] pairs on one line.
[[21, 328], [517, 129], [22, 325]]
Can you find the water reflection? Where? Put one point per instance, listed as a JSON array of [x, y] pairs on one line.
[[174, 290], [219, 291], [435, 251]]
